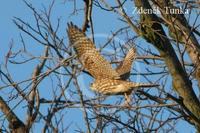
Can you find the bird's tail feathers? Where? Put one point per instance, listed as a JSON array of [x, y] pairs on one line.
[[143, 85]]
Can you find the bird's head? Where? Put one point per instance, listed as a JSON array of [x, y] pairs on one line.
[[93, 86]]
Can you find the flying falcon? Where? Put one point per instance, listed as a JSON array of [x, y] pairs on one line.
[[107, 81]]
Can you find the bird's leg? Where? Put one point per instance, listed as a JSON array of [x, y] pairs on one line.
[[127, 96]]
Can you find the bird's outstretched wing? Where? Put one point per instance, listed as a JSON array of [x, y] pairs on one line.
[[89, 56], [124, 67]]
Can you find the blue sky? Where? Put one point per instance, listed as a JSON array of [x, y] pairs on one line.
[[103, 24]]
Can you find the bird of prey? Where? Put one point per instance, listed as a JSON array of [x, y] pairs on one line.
[[107, 80]]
